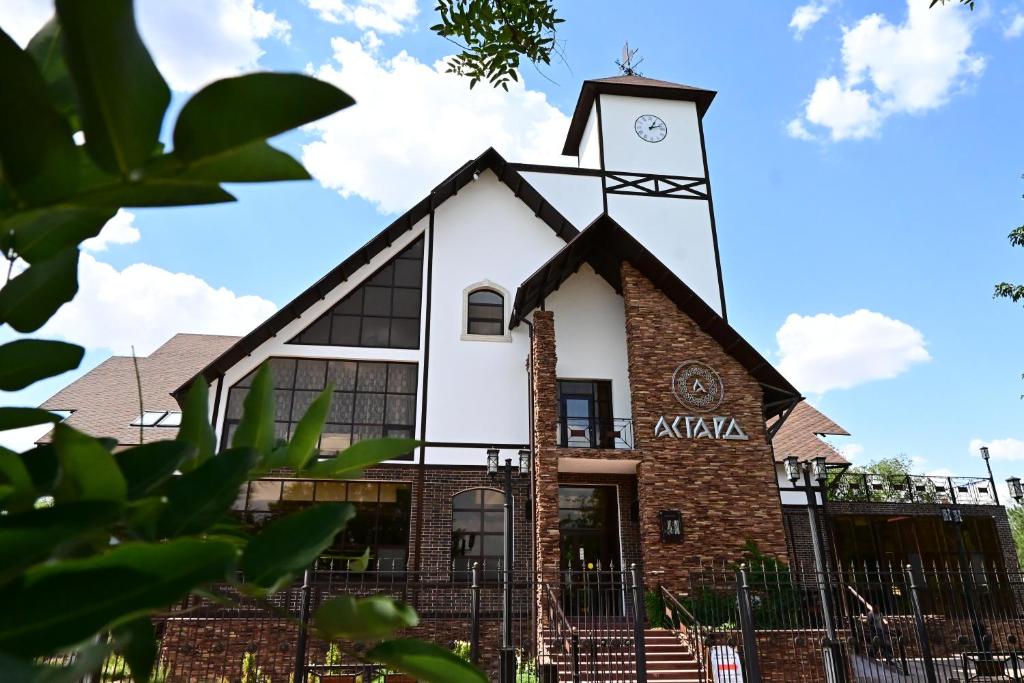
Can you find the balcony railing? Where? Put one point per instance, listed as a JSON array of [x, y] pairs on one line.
[[913, 489], [583, 432]]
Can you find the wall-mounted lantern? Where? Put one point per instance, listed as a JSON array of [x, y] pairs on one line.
[[492, 462], [671, 526], [792, 468], [820, 472], [524, 461], [1016, 492]]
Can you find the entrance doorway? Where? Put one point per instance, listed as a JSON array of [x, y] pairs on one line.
[[591, 571]]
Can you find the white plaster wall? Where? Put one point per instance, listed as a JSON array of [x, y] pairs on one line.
[[478, 390], [678, 232], [577, 197], [590, 335], [590, 150], [678, 154], [787, 493]]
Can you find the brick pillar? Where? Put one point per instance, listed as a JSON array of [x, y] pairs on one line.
[[726, 490], [545, 471]]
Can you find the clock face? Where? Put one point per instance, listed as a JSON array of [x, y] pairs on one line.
[[650, 128]]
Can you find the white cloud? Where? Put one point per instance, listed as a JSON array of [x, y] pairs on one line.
[[386, 16], [806, 16], [118, 230], [1015, 29], [143, 306], [192, 42], [889, 69], [797, 129], [851, 451], [999, 449], [415, 124], [819, 353]]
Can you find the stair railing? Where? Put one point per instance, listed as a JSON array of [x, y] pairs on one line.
[[562, 631], [684, 625]]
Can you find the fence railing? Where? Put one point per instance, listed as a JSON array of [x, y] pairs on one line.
[[913, 489], [584, 432], [687, 629]]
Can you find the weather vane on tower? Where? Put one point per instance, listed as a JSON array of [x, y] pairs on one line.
[[627, 66]]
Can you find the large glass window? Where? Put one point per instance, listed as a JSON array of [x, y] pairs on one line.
[[478, 533], [485, 312], [585, 414], [384, 311], [381, 522], [371, 399]]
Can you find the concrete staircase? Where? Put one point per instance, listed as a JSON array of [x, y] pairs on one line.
[[668, 660]]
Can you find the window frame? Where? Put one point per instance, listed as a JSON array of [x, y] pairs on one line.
[[486, 285], [489, 573]]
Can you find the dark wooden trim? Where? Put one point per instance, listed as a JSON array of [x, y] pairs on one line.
[[600, 149], [673, 187], [216, 400], [481, 445], [565, 170], [711, 211], [420, 485]]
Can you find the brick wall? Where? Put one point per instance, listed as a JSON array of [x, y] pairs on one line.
[[726, 490], [542, 371]]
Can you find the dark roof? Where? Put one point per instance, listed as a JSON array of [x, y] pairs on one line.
[[632, 86], [105, 401], [447, 188], [801, 433], [604, 244]]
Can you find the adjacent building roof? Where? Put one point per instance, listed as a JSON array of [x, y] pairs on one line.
[[604, 244], [447, 188], [632, 86], [801, 435], [105, 401]]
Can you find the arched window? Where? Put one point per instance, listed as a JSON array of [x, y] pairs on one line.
[[485, 312], [477, 526]]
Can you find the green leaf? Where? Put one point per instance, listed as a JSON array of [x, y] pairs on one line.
[[34, 535], [42, 465], [371, 618], [155, 192], [252, 163], [36, 150], [31, 298], [425, 662], [360, 563], [14, 474], [233, 112], [45, 48], [148, 466], [256, 428], [88, 471], [16, 418], [121, 94], [62, 603], [307, 432], [360, 456], [136, 642], [41, 233], [195, 426], [198, 499], [290, 544], [25, 361]]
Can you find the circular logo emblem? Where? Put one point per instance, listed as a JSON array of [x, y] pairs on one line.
[[697, 386]]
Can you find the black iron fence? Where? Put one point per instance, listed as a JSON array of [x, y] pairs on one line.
[[595, 432], [884, 488]]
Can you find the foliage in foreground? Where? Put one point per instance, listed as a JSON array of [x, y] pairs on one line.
[[95, 541]]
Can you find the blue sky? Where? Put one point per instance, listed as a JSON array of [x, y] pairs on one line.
[[865, 156]]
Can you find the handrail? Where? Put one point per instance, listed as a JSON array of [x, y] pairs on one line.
[[692, 633], [912, 488], [563, 631], [594, 432]]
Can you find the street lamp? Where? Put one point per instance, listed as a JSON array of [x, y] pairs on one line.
[[507, 656], [1016, 492], [835, 670], [988, 466]]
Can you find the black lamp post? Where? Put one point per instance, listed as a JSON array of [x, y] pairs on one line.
[[507, 656], [835, 669], [988, 466]]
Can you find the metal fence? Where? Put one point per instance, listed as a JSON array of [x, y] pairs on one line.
[[884, 488]]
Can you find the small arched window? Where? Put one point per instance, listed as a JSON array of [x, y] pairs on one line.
[[485, 312], [477, 527]]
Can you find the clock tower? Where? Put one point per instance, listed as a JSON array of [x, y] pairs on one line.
[[646, 139]]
